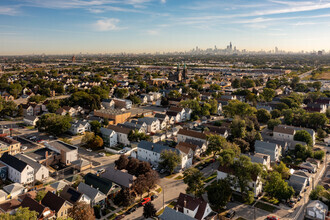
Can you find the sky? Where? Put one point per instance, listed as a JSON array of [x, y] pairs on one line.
[[137, 26]]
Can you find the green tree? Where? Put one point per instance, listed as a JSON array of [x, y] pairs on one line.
[[136, 136], [195, 181], [96, 143], [40, 195], [135, 99], [149, 210], [268, 94], [317, 192], [283, 170], [54, 124], [219, 194], [303, 136], [303, 151], [215, 144], [317, 120], [121, 93], [275, 113], [238, 108], [174, 94], [272, 123], [263, 116], [37, 98], [277, 188], [20, 214], [95, 127], [81, 211], [124, 198], [238, 128], [53, 105], [169, 160]]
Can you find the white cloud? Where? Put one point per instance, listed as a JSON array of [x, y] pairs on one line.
[[152, 32], [6, 10], [163, 1], [107, 24]]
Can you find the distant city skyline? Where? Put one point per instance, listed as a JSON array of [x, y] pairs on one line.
[[138, 26]]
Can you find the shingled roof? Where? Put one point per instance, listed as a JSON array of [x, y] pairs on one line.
[[13, 162], [191, 203], [192, 133]]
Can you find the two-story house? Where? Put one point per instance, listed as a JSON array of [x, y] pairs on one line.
[[151, 152], [184, 134], [110, 137], [153, 124], [57, 204], [122, 134], [18, 170], [272, 149]]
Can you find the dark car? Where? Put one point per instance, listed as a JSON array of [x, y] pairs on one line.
[[120, 217], [230, 214], [133, 209], [153, 197]]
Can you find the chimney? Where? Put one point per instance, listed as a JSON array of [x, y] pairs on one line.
[[46, 154], [184, 202], [152, 147]]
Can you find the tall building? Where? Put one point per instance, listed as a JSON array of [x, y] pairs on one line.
[[230, 46], [276, 50], [73, 59]]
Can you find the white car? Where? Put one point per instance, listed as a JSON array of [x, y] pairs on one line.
[[102, 154], [101, 171], [122, 151], [24, 148], [89, 150]]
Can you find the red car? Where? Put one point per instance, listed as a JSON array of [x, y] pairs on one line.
[[272, 218], [145, 201]]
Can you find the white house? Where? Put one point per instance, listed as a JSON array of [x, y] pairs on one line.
[[316, 210], [184, 134], [30, 120], [272, 149], [150, 152], [18, 171], [109, 136], [285, 132], [96, 196], [197, 208], [68, 152], [80, 127], [108, 103], [14, 189], [122, 134], [40, 171], [256, 184], [153, 124]]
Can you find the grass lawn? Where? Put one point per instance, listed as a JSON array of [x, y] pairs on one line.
[[170, 176], [210, 178], [270, 200], [180, 177], [113, 216], [265, 207], [112, 208], [171, 205], [30, 127]]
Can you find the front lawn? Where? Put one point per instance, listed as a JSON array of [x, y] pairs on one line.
[[266, 207], [210, 178]]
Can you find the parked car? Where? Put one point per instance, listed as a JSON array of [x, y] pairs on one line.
[[122, 151], [89, 150], [272, 218], [101, 171], [133, 209], [153, 197], [24, 148], [162, 171], [102, 154], [120, 217], [230, 214]]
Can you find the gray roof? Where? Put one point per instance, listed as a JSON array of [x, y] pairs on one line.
[[59, 145], [3, 193], [106, 131], [297, 182], [161, 116], [30, 117], [91, 192], [148, 120], [35, 165], [158, 148], [120, 177], [171, 214], [58, 185], [14, 187], [132, 125], [264, 147]]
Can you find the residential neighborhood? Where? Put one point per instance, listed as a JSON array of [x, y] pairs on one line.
[[128, 141]]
